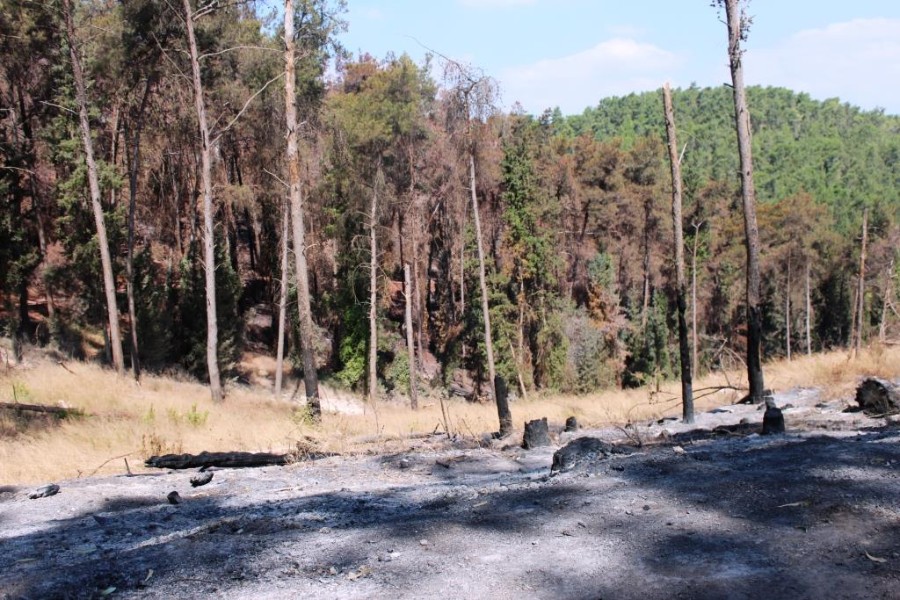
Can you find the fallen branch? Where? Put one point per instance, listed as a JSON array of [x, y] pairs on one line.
[[217, 459], [54, 410], [709, 391], [106, 462]]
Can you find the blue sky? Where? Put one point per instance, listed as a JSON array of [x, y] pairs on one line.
[[571, 53]]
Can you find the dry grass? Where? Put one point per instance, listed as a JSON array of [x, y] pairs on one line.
[[121, 419]]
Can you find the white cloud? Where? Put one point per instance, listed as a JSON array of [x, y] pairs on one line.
[[857, 61], [614, 67]]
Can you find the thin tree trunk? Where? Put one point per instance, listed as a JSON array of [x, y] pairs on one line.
[[373, 294], [737, 23], [176, 197], [209, 258], [109, 286], [417, 294], [410, 344], [861, 289], [502, 409], [114, 149], [645, 304], [522, 389], [301, 269], [133, 168], [787, 310], [851, 341], [808, 313], [694, 346], [282, 297], [687, 390], [38, 200], [887, 295], [462, 264]]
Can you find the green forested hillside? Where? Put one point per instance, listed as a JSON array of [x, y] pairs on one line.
[[845, 158]]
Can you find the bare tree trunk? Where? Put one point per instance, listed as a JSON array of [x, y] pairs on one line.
[[687, 390], [645, 295], [209, 257], [787, 310], [808, 314], [861, 289], [502, 408], [462, 265], [176, 196], [417, 295], [37, 198], [851, 341], [737, 24], [133, 169], [301, 269], [373, 293], [694, 346], [410, 344], [282, 297], [887, 296], [109, 286]]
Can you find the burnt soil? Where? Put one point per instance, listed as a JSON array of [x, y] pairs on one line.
[[709, 511]]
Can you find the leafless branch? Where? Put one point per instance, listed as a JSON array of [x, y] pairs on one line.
[[277, 178], [232, 48], [68, 110], [246, 105]]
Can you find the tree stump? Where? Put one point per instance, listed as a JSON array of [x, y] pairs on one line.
[[582, 451], [537, 433], [773, 420], [503, 413], [878, 398]]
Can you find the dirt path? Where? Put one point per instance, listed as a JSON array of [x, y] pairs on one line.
[[814, 513]]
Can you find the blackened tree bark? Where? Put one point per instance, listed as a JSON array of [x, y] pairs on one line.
[[738, 23], [687, 391]]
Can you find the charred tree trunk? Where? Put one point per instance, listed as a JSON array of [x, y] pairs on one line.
[[301, 269], [109, 286], [687, 391], [737, 26]]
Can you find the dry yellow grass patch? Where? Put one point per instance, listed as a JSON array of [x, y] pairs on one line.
[[121, 419]]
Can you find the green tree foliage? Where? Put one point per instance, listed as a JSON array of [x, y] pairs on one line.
[[574, 210], [842, 156]]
